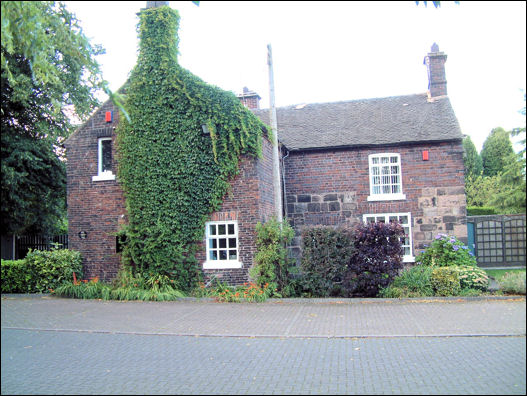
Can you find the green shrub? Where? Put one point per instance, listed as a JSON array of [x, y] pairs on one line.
[[92, 289], [126, 287], [326, 255], [445, 281], [470, 293], [471, 277], [446, 250], [41, 271], [271, 261], [481, 210], [412, 282], [50, 268], [513, 282], [15, 276]]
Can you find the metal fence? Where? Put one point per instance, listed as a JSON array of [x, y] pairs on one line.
[[38, 242], [499, 240]]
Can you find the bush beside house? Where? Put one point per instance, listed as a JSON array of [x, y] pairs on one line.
[[348, 263], [41, 271]]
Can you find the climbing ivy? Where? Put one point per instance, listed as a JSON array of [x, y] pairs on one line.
[[174, 171]]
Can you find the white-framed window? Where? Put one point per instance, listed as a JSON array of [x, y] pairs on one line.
[[385, 177], [405, 220], [104, 160], [222, 245]]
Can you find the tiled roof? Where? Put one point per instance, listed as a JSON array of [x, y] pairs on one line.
[[380, 121]]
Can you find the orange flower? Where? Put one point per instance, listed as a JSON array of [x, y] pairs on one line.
[[75, 279], [237, 294], [95, 279], [266, 285], [85, 280]]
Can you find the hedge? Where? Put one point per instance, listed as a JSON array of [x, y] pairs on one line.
[[41, 271]]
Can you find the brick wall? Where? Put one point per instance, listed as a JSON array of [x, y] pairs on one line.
[[330, 187], [249, 202], [437, 84], [251, 102], [95, 207], [98, 207]]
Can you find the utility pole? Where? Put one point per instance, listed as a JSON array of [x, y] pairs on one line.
[[274, 127]]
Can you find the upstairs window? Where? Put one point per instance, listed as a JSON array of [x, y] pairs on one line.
[[104, 160], [222, 245], [385, 177]]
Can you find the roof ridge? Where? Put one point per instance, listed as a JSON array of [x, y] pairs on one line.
[[303, 104]]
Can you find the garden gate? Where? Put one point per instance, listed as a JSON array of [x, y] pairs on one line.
[[498, 240]]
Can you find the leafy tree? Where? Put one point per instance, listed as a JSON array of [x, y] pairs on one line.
[[471, 158], [512, 179], [47, 63], [480, 190], [496, 152]]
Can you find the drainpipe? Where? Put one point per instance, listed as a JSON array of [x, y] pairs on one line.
[[274, 127], [283, 182]]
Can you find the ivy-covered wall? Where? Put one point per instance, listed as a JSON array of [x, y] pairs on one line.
[[177, 152]]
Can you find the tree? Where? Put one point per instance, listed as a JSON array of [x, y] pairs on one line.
[[471, 158], [512, 198], [480, 190], [47, 64], [496, 152]]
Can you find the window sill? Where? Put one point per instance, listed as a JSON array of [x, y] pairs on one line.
[[103, 177], [408, 259], [222, 265], [387, 197]]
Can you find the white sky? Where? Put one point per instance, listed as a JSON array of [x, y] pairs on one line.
[[332, 51]]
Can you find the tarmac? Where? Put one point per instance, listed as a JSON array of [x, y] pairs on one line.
[[471, 345]]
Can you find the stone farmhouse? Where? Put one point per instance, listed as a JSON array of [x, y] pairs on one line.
[[383, 159]]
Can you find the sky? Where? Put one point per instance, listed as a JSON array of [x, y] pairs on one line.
[[335, 51]]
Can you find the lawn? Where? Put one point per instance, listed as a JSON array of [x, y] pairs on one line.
[[498, 273]]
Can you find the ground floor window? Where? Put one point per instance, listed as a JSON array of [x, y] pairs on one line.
[[222, 245], [406, 222]]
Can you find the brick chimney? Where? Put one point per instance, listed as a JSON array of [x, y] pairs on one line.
[[249, 99], [435, 64]]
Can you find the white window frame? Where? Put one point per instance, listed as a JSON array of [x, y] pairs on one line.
[[107, 175], [385, 196], [407, 258], [219, 263]]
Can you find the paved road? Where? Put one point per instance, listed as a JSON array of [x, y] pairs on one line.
[[429, 346]]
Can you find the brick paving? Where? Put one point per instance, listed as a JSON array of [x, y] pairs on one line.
[[430, 346]]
